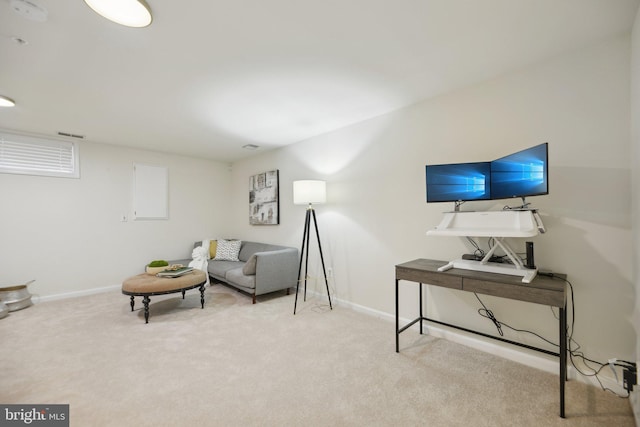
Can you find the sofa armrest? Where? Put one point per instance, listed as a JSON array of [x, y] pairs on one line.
[[276, 270]]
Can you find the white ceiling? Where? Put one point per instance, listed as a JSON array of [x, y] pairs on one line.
[[210, 76]]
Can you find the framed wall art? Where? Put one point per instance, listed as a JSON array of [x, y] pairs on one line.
[[264, 200]]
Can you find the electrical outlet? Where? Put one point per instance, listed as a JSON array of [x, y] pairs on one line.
[[630, 377], [123, 218], [329, 272]]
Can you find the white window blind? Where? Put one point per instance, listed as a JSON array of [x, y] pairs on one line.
[[35, 156]]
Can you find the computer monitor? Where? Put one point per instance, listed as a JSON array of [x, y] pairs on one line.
[[521, 174], [458, 182]]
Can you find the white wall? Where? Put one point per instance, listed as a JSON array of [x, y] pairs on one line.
[[53, 230], [67, 233], [376, 215], [635, 187]]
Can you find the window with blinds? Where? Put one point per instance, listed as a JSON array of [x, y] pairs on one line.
[[35, 156]]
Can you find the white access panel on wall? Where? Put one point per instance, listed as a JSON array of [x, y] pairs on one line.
[[150, 192]]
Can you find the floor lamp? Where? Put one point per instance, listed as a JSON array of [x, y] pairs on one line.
[[309, 192]]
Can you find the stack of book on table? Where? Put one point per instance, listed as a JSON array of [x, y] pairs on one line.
[[175, 272]]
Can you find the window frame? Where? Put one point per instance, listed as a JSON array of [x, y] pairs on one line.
[[39, 146]]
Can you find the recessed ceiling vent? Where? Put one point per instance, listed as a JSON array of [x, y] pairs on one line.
[[29, 10], [71, 135], [19, 41]]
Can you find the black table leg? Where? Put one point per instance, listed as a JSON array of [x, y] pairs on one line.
[[563, 355], [397, 322], [421, 317], [146, 300]]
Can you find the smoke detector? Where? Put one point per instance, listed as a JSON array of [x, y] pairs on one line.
[[29, 10]]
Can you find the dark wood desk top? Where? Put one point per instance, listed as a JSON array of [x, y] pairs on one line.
[[542, 289]]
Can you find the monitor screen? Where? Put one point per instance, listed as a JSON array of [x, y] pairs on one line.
[[521, 174], [458, 182]]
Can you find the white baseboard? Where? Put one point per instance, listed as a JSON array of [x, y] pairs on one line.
[[507, 351], [635, 405], [37, 299]]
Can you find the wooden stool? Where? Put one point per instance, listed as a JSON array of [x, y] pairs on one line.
[[145, 285]]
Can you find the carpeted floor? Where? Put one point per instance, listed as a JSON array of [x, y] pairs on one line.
[[238, 364]]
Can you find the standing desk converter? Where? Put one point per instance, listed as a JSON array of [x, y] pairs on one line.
[[551, 291]]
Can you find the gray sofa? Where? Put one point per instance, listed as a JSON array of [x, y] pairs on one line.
[[262, 268]]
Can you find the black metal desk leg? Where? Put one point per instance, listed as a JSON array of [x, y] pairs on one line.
[[563, 355], [421, 317], [397, 322]]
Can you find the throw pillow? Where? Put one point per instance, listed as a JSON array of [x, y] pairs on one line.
[[213, 246], [249, 268], [228, 250]]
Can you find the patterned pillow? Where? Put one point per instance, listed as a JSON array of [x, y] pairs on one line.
[[228, 250]]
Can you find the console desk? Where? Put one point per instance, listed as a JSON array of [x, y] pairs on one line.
[[551, 291]]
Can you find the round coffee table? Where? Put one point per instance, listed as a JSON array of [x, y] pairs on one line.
[[146, 285]]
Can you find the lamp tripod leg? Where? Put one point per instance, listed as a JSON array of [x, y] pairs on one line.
[[305, 238], [324, 271], [304, 253], [306, 260]]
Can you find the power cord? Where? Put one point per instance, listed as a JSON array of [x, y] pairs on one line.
[[485, 312], [478, 252], [573, 352], [525, 205], [321, 307]]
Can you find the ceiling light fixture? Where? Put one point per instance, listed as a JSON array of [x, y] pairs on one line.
[[6, 101], [250, 147], [130, 13]]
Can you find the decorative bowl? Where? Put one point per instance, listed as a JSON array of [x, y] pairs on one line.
[[15, 297], [4, 310], [155, 270]]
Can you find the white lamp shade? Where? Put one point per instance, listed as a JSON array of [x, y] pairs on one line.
[[309, 192], [130, 13]]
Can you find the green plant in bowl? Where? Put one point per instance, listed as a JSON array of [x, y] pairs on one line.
[[158, 263], [156, 266]]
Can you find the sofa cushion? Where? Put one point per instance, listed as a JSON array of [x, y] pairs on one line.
[[228, 250], [249, 268], [219, 268], [238, 278]]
